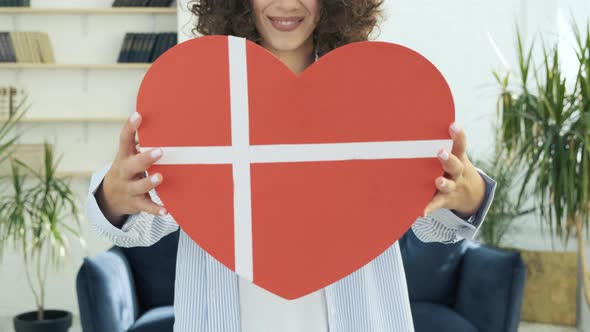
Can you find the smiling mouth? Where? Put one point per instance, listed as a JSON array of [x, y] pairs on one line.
[[285, 23]]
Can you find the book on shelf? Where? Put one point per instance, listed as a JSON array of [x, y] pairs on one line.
[[142, 3], [10, 98], [145, 47], [168, 40], [45, 47], [136, 47], [17, 45], [26, 47], [124, 53], [5, 109], [32, 47], [6, 48], [15, 3]]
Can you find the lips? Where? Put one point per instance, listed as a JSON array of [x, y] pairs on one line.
[[285, 23]]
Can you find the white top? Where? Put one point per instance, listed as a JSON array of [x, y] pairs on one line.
[[263, 311]]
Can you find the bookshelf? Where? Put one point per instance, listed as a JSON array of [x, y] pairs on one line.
[[90, 11], [85, 42]]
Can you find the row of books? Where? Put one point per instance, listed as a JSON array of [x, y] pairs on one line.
[[142, 3], [145, 47], [15, 3], [29, 47]]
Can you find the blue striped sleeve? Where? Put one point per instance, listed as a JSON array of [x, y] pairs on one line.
[[139, 230], [445, 226]]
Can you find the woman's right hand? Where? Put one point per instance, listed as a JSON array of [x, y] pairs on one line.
[[125, 188]]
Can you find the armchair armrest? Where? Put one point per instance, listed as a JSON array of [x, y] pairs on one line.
[[106, 293], [490, 289]]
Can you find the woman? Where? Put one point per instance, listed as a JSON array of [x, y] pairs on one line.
[[123, 206]]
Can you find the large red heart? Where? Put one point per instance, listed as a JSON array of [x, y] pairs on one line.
[[301, 206]]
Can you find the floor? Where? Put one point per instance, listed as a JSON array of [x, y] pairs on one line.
[[531, 327], [6, 326]]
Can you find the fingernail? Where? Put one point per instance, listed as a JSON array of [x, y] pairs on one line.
[[134, 117], [155, 178], [443, 154], [162, 212], [156, 153], [442, 182], [455, 127]]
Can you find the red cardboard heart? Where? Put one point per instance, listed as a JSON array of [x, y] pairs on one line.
[[294, 181]]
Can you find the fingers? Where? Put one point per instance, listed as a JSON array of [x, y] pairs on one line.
[[451, 164], [437, 202], [127, 136], [141, 162], [147, 205], [143, 186], [459, 140], [445, 185]]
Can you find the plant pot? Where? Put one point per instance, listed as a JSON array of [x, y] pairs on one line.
[[55, 321], [550, 294]]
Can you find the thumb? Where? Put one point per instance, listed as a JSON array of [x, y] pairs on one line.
[[437, 202]]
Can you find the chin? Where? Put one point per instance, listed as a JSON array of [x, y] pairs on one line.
[[287, 45]]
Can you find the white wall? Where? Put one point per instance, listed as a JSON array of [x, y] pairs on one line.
[[452, 34]]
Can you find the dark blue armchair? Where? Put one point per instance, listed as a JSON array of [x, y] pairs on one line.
[[129, 289], [460, 287], [463, 287]]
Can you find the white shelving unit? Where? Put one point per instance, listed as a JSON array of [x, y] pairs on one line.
[[81, 102]]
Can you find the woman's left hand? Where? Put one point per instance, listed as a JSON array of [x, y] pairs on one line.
[[462, 188]]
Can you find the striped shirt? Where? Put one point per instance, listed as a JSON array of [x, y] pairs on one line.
[[206, 297]]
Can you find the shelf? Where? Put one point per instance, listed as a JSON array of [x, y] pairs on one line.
[[71, 120], [89, 11], [109, 66], [74, 174]]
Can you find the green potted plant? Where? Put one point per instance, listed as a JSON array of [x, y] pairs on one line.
[[546, 128], [502, 214], [36, 207]]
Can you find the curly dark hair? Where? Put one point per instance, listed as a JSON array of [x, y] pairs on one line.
[[341, 21]]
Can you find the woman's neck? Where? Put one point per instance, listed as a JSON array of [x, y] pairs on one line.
[[298, 59]]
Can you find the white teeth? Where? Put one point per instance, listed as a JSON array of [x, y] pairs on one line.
[[286, 23]]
